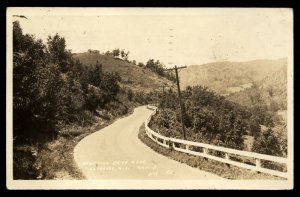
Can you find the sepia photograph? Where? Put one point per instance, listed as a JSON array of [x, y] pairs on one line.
[[149, 98]]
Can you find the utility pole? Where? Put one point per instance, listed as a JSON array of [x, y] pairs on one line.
[[179, 94]]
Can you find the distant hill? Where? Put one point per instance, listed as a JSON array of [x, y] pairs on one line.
[[274, 87], [227, 77], [239, 81], [271, 91], [133, 76]]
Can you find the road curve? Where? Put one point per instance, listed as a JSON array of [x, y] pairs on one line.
[[115, 152]]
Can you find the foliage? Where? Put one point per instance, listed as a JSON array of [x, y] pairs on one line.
[[254, 126], [267, 143], [58, 53], [124, 54], [210, 118], [140, 64], [52, 91], [24, 159], [116, 52], [51, 87], [159, 68]]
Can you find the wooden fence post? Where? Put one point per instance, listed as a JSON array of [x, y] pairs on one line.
[[187, 147], [257, 163], [227, 156]]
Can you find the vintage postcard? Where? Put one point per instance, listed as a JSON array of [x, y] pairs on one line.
[[149, 98]]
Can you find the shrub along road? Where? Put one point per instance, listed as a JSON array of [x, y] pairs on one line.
[[115, 152]]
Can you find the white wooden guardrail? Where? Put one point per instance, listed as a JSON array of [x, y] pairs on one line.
[[171, 143]]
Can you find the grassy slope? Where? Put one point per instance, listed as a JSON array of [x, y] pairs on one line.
[[133, 76], [220, 75]]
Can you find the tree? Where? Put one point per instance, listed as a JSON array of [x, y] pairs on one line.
[[49, 86], [95, 75], [267, 143], [122, 53], [110, 85], [280, 131], [17, 36], [126, 55], [94, 97], [52, 90], [159, 68], [58, 53], [140, 64], [116, 52], [130, 94], [268, 120], [239, 129], [254, 126], [150, 64], [260, 110], [255, 95], [38, 81]]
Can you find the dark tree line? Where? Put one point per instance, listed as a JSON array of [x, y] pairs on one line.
[[50, 87], [159, 68], [210, 118]]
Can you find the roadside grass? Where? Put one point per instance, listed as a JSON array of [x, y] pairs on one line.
[[224, 170], [54, 160]]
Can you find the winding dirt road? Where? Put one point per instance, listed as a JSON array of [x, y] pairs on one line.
[[115, 152]]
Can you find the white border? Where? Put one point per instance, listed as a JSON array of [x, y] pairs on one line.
[[138, 184]]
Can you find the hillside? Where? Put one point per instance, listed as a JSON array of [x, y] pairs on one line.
[[133, 76], [271, 91], [274, 87], [57, 100], [228, 77]]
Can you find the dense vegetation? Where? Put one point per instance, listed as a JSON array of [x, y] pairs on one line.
[[52, 89], [55, 95], [159, 68], [210, 118]]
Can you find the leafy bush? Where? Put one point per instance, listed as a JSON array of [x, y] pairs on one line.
[[53, 93], [51, 87], [24, 163], [209, 118], [267, 143]]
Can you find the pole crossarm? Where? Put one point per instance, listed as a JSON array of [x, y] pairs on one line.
[[176, 68]]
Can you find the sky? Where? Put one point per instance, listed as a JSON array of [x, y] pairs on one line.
[[183, 36]]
